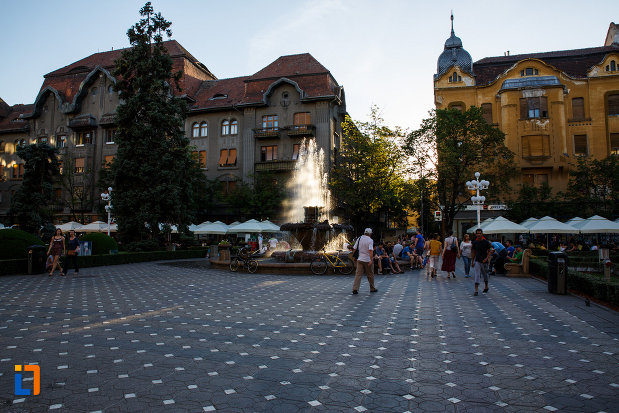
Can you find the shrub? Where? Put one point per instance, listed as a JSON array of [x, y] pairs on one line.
[[14, 243], [143, 246], [101, 243]]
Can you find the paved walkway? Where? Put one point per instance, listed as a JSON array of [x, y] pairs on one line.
[[182, 337]]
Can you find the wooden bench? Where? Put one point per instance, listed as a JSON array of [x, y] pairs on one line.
[[519, 270]]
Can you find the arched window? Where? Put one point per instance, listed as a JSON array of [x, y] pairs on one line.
[[234, 127], [203, 129], [454, 77], [225, 127], [195, 130], [613, 66]]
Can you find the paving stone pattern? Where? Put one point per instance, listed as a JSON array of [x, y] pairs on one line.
[[159, 337]]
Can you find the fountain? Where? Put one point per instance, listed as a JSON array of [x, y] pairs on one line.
[[308, 209]]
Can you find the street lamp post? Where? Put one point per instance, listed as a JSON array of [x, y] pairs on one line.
[[478, 200], [107, 197]]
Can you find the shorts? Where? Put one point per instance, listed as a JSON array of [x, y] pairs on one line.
[[434, 261]]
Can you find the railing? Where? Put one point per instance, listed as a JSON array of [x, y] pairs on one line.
[[301, 130], [275, 166], [262, 133]]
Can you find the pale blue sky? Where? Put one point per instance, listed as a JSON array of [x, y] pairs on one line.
[[382, 52]]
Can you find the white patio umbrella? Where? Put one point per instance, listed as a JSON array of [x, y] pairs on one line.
[[2, 226], [549, 225], [97, 226], [597, 225], [213, 228], [483, 225], [269, 226], [574, 221], [68, 226], [529, 222], [502, 225], [247, 227], [235, 223]]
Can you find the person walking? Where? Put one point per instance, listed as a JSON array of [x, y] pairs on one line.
[[73, 249], [57, 249], [480, 254], [450, 253], [365, 246], [435, 253], [465, 253]]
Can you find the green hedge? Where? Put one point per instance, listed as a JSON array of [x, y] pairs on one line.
[[14, 243], [8, 267], [101, 243], [590, 284]]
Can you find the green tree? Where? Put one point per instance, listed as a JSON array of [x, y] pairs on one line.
[[153, 171], [594, 186], [450, 146], [261, 199], [30, 203], [368, 179]]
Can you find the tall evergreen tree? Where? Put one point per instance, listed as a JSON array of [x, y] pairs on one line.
[[30, 203], [153, 169]]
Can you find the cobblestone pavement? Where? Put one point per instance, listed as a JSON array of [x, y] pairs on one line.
[[182, 337]]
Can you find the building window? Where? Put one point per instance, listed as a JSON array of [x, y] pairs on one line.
[[535, 179], [613, 104], [458, 106], [295, 151], [613, 66], [19, 143], [18, 171], [195, 130], [110, 89], [200, 157], [84, 138], [93, 91], [80, 165], [535, 146], [203, 129], [486, 112], [60, 167], [270, 122], [268, 153], [614, 143], [578, 109], [108, 161], [234, 127], [534, 108], [109, 135], [529, 71], [227, 187], [225, 127], [61, 141], [58, 194], [42, 139], [227, 157], [302, 120], [2, 146], [580, 145]]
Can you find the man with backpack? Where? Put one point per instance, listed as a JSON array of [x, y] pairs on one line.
[[365, 248]]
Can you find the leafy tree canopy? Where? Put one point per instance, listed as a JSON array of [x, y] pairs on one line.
[[30, 203], [260, 200], [153, 171], [450, 146]]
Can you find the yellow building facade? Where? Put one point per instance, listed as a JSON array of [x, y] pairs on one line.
[[553, 107]]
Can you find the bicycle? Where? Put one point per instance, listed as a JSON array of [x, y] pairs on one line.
[[244, 259], [343, 265]]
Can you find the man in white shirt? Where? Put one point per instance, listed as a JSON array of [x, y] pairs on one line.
[[365, 246], [397, 249]]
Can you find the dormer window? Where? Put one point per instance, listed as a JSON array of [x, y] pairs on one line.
[[219, 96], [529, 71], [455, 78], [612, 67]]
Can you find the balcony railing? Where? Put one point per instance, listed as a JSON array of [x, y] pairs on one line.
[[275, 166], [301, 130], [265, 133]]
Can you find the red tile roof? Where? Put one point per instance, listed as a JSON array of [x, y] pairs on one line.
[[11, 122], [574, 62], [291, 65]]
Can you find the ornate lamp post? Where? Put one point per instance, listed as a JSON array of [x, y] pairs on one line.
[[107, 197], [478, 200]]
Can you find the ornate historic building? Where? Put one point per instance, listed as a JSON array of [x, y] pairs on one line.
[[238, 126], [552, 106]]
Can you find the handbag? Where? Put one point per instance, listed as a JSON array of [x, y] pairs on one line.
[[355, 254], [454, 247]]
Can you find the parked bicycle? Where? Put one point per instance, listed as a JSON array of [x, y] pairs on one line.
[[245, 258], [340, 263]]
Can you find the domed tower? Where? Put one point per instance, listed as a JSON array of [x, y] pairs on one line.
[[455, 61]]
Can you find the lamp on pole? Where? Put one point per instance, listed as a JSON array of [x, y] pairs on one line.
[[478, 200], [107, 197]]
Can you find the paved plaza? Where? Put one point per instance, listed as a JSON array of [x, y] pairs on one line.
[[183, 337]]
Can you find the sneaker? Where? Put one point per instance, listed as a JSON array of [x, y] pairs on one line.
[[485, 290], [374, 290], [355, 292]]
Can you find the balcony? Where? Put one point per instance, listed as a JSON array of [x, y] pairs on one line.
[[301, 130], [266, 133], [271, 166]]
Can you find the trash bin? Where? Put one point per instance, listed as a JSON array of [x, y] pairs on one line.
[[557, 272], [36, 259]]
